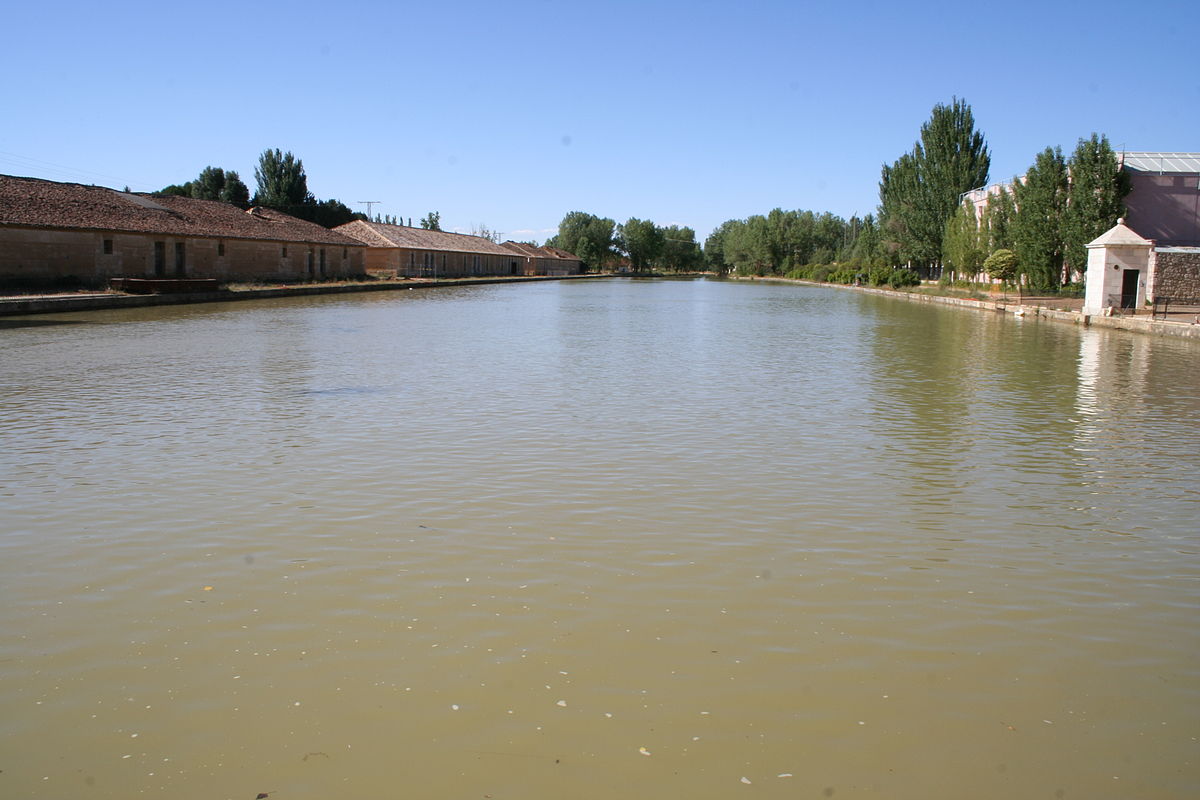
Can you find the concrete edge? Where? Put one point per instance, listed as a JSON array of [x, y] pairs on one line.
[[19, 306], [1152, 327]]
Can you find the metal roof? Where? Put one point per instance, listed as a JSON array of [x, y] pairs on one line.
[[1162, 162]]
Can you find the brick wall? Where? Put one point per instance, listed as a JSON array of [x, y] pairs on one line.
[[1177, 275]]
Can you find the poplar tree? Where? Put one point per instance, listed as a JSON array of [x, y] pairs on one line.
[[964, 245], [921, 190], [1041, 199], [282, 183], [997, 219], [1095, 198]]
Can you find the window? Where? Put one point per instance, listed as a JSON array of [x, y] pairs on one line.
[[283, 251], [220, 248], [108, 247], [160, 259], [180, 266]]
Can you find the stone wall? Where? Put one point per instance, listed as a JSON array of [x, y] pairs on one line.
[[1177, 274]]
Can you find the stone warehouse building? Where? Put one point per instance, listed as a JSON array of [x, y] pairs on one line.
[[545, 260], [418, 253], [66, 232]]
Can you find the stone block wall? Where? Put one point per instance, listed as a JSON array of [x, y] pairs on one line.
[[1177, 274]]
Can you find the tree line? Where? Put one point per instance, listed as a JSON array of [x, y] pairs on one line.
[[601, 243], [927, 224]]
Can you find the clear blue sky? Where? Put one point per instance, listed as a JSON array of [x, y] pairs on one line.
[[512, 114]]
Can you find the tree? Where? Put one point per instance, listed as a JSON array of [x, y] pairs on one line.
[[642, 241], [1002, 265], [483, 231], [282, 183], [209, 185], [1094, 200], [920, 191], [1041, 198], [964, 245], [680, 250], [432, 221], [587, 236], [997, 220], [235, 191]]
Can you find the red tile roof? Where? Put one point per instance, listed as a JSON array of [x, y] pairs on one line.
[[377, 234], [30, 202], [533, 251]]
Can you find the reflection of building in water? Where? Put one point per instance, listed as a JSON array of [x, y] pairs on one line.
[[1112, 383]]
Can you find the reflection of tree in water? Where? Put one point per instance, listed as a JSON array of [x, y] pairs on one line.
[[959, 395]]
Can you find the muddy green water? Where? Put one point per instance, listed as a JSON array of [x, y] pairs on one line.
[[596, 540]]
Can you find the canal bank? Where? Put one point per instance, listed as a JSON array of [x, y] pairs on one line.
[[96, 301], [1141, 324]]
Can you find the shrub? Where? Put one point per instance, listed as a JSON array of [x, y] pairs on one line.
[[903, 277]]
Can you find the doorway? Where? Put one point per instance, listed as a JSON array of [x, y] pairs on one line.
[[1129, 288]]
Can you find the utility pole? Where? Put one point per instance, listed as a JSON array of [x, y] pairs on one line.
[[368, 204]]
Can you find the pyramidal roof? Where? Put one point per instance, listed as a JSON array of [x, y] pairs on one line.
[[1119, 234]]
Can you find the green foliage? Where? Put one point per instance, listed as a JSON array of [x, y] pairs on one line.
[[783, 241], [642, 241], [964, 243], [1094, 199], [997, 220], [177, 189], [235, 191], [681, 252], [432, 221], [1041, 199], [901, 278], [1002, 265], [587, 236], [282, 184], [213, 183], [920, 191]]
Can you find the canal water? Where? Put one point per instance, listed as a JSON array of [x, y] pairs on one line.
[[649, 539]]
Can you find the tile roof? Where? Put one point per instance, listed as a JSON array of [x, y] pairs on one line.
[[533, 251], [377, 234], [36, 203]]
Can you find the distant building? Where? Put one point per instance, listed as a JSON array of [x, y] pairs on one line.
[[1163, 203], [545, 260], [418, 253], [1164, 200], [67, 232]]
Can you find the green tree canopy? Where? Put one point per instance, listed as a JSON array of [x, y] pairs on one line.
[[964, 245], [921, 190], [432, 221], [1095, 199], [997, 220], [282, 184], [641, 240], [587, 236], [1041, 198], [213, 183], [681, 251], [1002, 265]]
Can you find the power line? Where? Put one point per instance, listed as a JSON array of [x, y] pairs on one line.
[[368, 204]]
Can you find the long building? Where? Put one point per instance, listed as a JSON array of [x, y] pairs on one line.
[[54, 232], [419, 253]]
